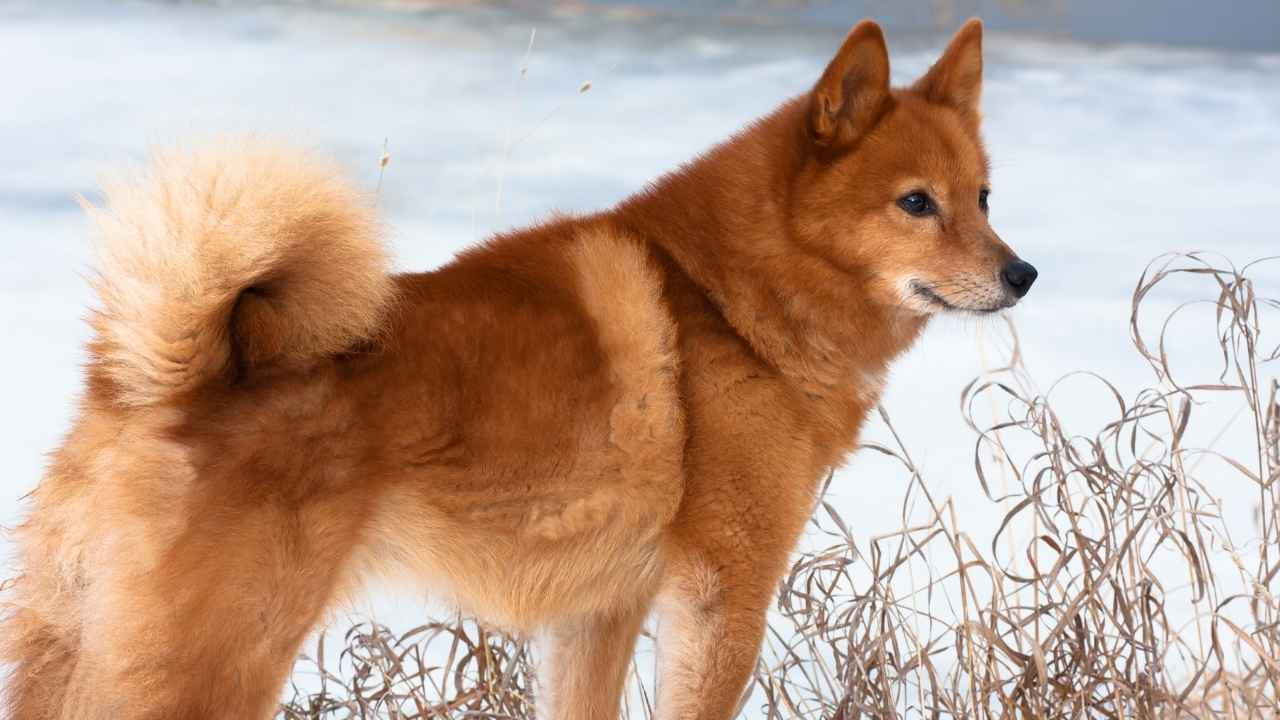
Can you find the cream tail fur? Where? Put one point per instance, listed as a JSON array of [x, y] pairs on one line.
[[242, 252]]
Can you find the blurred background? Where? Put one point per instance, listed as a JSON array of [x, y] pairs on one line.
[[1232, 25], [1119, 130]]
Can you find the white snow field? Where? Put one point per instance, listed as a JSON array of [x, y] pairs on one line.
[[1104, 157]]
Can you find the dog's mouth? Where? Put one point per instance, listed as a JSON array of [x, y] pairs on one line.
[[984, 302]]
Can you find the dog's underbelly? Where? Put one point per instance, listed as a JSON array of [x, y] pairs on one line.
[[521, 563]]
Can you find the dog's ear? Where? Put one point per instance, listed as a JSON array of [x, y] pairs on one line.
[[956, 79], [854, 89]]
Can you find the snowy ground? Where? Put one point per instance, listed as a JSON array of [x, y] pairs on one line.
[[1104, 158]]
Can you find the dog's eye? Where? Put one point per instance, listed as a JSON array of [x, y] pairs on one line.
[[983, 194], [917, 203]]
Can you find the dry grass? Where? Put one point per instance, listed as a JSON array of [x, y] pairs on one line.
[[438, 670], [1116, 586]]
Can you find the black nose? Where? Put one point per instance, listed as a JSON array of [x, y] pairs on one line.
[[1019, 276]]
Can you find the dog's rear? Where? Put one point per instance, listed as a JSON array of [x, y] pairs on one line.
[[217, 267]]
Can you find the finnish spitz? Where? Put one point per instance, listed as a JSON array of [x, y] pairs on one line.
[[565, 429]]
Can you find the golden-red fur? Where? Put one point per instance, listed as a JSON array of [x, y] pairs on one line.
[[562, 430]]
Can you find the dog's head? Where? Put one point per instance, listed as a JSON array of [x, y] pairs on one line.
[[895, 186]]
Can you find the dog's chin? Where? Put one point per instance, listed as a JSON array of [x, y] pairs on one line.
[[925, 300]]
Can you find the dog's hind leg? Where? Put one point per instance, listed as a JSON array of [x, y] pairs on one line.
[[44, 660], [187, 613], [41, 607], [213, 629]]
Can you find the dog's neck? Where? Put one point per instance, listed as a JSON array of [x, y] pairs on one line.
[[723, 219]]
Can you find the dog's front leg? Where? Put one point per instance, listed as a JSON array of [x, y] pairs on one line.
[[710, 626], [583, 669]]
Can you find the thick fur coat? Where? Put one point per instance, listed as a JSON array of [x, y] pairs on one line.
[[563, 430]]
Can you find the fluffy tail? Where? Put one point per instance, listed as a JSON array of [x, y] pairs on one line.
[[228, 259]]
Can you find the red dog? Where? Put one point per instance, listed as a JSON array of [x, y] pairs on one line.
[[565, 428]]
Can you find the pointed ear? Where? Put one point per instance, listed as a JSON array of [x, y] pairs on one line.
[[956, 79], [854, 89]]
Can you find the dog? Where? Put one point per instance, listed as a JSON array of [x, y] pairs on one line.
[[563, 430]]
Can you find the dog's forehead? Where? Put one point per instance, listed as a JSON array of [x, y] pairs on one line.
[[937, 140]]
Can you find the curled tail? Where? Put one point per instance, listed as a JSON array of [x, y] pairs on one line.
[[232, 258]]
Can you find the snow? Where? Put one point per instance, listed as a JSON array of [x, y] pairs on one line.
[[1104, 158]]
